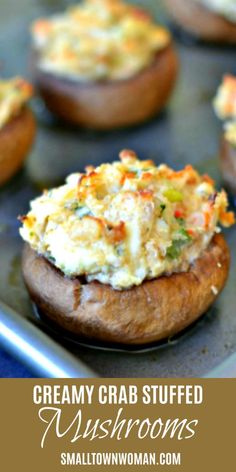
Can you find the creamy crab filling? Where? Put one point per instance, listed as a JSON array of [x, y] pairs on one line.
[[126, 222]]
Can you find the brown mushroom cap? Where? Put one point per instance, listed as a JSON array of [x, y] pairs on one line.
[[109, 104], [16, 139], [200, 21], [152, 311]]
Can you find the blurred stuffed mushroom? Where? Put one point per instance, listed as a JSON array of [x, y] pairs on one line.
[[209, 20], [17, 125], [103, 64], [225, 108]]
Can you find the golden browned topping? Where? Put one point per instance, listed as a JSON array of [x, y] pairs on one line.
[[125, 222]]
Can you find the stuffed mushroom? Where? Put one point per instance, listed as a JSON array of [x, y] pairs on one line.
[[103, 64], [127, 252], [209, 20], [17, 125], [225, 108]]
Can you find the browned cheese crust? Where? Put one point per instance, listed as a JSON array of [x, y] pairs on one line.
[[152, 311], [228, 164], [16, 139], [201, 22], [110, 104]]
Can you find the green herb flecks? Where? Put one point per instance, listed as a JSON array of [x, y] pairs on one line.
[[162, 207], [78, 209], [181, 221], [119, 250], [174, 251], [51, 259], [72, 205], [83, 211], [139, 172]]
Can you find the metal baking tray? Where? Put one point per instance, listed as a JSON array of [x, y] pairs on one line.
[[187, 132]]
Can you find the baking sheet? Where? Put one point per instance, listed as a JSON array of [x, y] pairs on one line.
[[187, 132]]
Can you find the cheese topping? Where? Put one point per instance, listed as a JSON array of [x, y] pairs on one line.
[[14, 94], [98, 39], [225, 107], [125, 222], [226, 8]]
